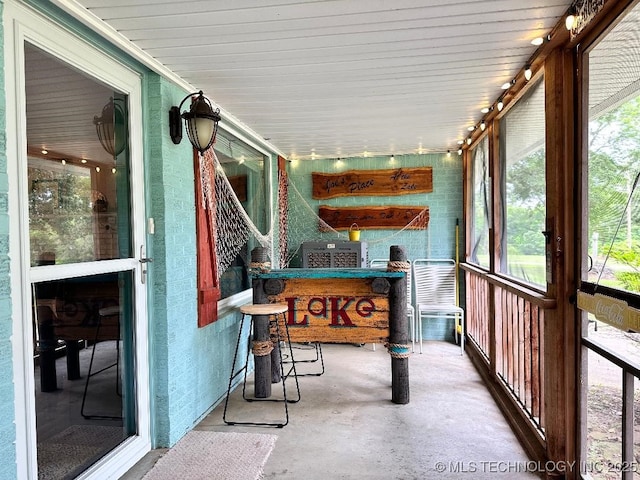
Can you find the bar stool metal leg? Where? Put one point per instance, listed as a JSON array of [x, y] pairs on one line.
[[318, 358]]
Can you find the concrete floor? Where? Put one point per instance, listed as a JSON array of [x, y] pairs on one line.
[[346, 427]]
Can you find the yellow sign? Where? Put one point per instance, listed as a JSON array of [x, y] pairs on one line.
[[610, 310]]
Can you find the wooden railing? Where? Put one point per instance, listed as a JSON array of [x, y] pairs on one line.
[[506, 325]]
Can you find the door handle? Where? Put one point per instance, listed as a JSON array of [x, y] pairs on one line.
[[144, 260]]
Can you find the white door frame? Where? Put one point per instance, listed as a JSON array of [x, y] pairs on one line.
[[21, 24]]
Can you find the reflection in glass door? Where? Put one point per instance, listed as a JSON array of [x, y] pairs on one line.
[[82, 314]]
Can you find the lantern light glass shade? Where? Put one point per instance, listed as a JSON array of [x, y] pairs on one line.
[[111, 126], [201, 122]]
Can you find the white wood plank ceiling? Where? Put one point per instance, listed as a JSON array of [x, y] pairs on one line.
[[338, 78]]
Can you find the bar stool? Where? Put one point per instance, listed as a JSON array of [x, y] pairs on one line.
[[274, 311], [317, 346]]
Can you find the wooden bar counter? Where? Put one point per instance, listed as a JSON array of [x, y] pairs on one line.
[[350, 305]]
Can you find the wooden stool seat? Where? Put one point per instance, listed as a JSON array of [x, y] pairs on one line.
[[264, 308]]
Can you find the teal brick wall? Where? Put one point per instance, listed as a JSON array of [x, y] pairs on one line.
[[190, 365], [7, 410], [437, 241]]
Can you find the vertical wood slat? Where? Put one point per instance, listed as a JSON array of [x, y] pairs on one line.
[[505, 331], [536, 355], [540, 369], [627, 424], [509, 319], [522, 380], [528, 354], [477, 311]]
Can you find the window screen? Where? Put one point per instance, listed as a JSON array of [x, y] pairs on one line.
[[523, 188]]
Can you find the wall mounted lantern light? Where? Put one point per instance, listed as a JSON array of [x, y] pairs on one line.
[[111, 126], [202, 122]]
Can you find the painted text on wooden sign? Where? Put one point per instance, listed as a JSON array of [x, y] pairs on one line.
[[397, 181]]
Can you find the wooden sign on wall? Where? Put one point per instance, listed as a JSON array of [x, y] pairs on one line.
[[397, 181], [392, 217]]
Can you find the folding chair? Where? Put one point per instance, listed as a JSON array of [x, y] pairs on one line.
[[411, 312], [434, 285]]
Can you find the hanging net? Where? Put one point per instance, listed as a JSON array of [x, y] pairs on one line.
[[232, 226], [236, 233]]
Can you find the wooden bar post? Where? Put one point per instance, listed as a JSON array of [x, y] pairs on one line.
[[262, 364], [399, 332]]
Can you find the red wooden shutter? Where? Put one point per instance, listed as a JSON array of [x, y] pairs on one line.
[[208, 287]]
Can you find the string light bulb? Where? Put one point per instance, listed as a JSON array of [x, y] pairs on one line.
[[469, 141], [527, 72], [500, 105], [570, 21], [540, 40], [460, 151], [483, 125], [448, 153]]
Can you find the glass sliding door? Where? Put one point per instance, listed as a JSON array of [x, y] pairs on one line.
[[79, 213]]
